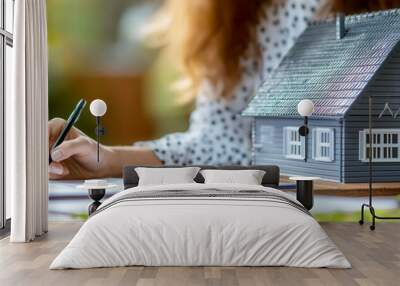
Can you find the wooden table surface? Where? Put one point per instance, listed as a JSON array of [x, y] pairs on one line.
[[350, 190], [67, 188]]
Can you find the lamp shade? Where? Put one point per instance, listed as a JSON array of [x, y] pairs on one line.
[[98, 107], [305, 107]]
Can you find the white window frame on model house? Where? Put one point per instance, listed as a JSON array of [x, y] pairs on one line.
[[323, 144], [385, 145], [293, 143]]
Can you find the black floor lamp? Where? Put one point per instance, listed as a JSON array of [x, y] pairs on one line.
[[370, 153]]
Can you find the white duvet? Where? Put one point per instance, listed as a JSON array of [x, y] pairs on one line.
[[192, 231]]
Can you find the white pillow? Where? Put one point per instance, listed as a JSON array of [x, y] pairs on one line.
[[163, 176], [248, 177]]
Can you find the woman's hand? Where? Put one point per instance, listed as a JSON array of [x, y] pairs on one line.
[[76, 157]]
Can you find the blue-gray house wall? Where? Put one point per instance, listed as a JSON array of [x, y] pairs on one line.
[[384, 87], [338, 75], [347, 166], [268, 144]]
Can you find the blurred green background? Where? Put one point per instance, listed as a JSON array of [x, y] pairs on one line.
[[95, 51]]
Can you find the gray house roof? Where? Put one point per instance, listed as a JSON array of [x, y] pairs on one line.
[[331, 72]]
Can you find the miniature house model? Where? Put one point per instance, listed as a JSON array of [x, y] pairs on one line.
[[338, 65]]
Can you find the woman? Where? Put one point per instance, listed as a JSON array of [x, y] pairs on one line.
[[226, 48]]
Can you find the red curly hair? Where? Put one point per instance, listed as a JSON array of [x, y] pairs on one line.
[[209, 37]]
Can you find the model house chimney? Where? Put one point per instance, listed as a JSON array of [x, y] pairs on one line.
[[340, 28]]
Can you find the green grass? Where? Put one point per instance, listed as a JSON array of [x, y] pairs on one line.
[[322, 217], [354, 216], [80, 216]]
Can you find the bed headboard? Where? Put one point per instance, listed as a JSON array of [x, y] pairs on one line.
[[270, 179]]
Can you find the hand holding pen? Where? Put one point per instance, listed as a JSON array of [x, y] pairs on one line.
[[73, 155]]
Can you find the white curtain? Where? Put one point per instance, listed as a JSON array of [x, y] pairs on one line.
[[26, 123]]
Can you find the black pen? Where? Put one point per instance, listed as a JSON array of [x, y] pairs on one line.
[[72, 119]]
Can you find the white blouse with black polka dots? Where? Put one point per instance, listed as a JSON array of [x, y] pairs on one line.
[[217, 134]]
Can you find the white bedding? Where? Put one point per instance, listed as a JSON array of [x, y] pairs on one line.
[[188, 231]]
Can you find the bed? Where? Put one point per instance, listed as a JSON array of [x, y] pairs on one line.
[[198, 224]]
